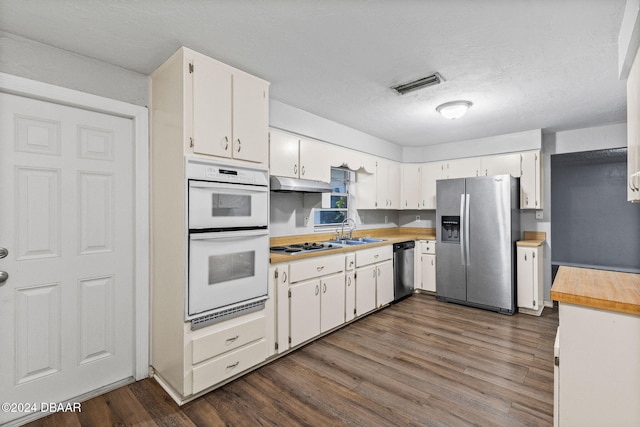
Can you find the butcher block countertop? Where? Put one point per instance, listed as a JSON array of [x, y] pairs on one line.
[[391, 236], [608, 290], [532, 239]]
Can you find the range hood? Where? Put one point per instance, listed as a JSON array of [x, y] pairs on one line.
[[284, 184]]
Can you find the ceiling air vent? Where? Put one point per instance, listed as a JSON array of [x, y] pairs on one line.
[[431, 80]]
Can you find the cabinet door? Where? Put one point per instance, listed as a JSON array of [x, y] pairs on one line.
[[501, 164], [530, 185], [366, 193], [211, 110], [525, 283], [462, 168], [280, 276], [382, 184], [250, 118], [430, 173], [315, 162], [304, 311], [332, 302], [283, 154], [633, 131], [393, 184], [350, 296], [384, 283], [366, 289], [428, 272], [411, 188]]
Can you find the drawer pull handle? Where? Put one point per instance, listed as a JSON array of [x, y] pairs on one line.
[[230, 340], [320, 268], [376, 256], [230, 367]]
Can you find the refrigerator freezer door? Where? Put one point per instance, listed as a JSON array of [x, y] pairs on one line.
[[450, 269], [490, 262]]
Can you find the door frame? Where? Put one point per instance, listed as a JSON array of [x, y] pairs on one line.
[[140, 117]]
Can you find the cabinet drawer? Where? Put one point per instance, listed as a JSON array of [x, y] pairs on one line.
[[373, 255], [315, 267], [428, 247], [350, 262], [228, 365], [223, 340]]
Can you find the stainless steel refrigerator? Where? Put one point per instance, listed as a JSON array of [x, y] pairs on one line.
[[477, 225]]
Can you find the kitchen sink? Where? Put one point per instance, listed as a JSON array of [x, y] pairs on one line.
[[357, 241], [369, 240]]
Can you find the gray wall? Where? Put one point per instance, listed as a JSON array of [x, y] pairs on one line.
[[593, 224]]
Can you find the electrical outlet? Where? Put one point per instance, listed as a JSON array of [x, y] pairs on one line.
[[539, 214], [386, 219], [306, 221], [417, 217]]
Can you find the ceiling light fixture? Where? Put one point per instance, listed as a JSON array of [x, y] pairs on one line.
[[454, 109]]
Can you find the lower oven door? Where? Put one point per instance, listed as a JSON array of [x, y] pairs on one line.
[[225, 268]]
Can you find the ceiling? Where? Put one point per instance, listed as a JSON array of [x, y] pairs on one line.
[[524, 64]]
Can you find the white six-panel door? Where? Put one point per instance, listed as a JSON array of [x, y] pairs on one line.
[[67, 222]]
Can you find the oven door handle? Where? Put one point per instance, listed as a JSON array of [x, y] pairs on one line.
[[228, 235], [206, 185]]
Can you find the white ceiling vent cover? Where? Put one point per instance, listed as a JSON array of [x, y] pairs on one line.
[[431, 80]]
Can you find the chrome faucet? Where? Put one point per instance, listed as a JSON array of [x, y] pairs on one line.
[[346, 221]]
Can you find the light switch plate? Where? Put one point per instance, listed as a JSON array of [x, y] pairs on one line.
[[539, 214]]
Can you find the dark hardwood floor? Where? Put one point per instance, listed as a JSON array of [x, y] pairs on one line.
[[417, 363]]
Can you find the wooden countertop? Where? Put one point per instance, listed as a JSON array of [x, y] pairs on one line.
[[391, 236], [532, 239], [608, 290]]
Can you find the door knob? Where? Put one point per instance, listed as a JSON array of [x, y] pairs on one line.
[[3, 277], [3, 252]]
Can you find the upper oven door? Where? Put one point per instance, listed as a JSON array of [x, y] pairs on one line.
[[227, 267], [215, 205]]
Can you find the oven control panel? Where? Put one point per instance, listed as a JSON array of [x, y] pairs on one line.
[[208, 171]]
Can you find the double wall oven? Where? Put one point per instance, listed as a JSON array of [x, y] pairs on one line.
[[228, 251]]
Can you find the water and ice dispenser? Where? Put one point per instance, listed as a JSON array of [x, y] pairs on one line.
[[450, 229]]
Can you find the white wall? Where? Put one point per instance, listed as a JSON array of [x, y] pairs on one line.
[[37, 61], [285, 117], [513, 142]]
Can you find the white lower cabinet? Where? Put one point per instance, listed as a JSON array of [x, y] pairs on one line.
[[529, 280], [332, 302], [350, 298], [425, 265], [304, 311], [365, 289], [226, 349], [374, 278]]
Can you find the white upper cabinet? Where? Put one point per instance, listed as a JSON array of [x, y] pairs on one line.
[[387, 184], [283, 154], [430, 173], [501, 164], [366, 180], [315, 160], [531, 180], [250, 118], [229, 110], [633, 131], [462, 168], [411, 186], [293, 157]]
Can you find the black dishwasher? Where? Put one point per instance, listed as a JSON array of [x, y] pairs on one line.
[[403, 261]]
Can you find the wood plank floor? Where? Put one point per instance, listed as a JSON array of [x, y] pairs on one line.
[[419, 362]]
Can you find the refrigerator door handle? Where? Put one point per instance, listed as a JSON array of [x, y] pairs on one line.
[[462, 229], [466, 229]]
